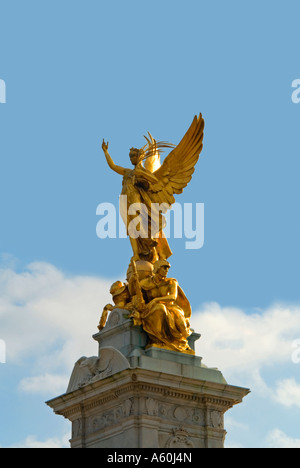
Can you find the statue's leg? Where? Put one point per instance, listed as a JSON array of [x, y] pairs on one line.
[[134, 245]]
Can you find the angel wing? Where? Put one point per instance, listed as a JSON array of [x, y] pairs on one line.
[[178, 167]]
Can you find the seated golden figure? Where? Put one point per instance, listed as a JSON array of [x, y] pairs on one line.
[[167, 312], [121, 298]]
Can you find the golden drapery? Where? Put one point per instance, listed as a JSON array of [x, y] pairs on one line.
[[167, 323], [151, 244]]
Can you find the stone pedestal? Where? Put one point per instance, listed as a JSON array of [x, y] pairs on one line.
[[131, 396]]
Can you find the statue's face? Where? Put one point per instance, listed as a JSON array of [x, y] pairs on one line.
[[134, 157], [163, 271]]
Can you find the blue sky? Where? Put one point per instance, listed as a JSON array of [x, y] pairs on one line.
[[77, 72]]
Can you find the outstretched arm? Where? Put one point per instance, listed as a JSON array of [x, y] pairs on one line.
[[120, 170]]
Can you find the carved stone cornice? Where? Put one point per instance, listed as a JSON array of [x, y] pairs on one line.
[[140, 383]]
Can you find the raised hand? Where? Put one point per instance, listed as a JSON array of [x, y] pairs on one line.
[[104, 146]]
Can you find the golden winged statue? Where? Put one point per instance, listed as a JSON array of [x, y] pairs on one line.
[[149, 188], [154, 301]]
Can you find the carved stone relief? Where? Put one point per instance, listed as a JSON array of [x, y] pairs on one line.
[[91, 369], [170, 411], [111, 417], [180, 438], [216, 419]]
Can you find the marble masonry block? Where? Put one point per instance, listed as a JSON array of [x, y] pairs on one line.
[[120, 333], [140, 408], [133, 395]]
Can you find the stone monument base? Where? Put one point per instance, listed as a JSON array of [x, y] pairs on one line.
[[131, 396]]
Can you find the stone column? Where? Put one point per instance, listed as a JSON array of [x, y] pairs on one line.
[[131, 396]]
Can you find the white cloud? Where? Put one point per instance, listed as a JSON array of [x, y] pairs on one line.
[[44, 384], [232, 423], [233, 445], [287, 393], [49, 318], [52, 443], [278, 439], [243, 344]]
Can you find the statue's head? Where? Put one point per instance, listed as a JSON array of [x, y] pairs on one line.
[[136, 155], [120, 294], [162, 267], [144, 269]]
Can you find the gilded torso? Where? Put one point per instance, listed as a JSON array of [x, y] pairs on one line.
[[161, 289]]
